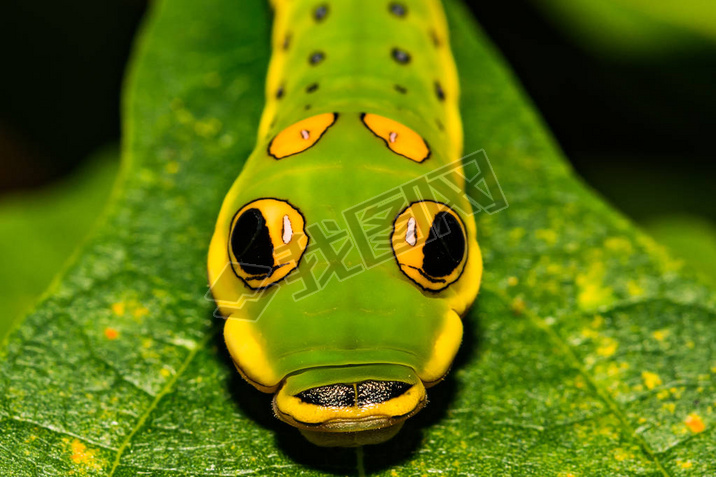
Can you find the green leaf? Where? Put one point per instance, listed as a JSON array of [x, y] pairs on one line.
[[590, 351], [689, 237], [39, 230]]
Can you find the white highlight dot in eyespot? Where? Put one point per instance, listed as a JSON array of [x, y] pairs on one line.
[[392, 136], [287, 229], [411, 236], [305, 134]]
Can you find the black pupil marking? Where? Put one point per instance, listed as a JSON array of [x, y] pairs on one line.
[[311, 88], [445, 246], [398, 9], [401, 56], [320, 12], [279, 93], [400, 89], [345, 395], [316, 58], [439, 91], [251, 243]]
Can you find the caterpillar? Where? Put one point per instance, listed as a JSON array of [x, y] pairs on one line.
[[342, 278]]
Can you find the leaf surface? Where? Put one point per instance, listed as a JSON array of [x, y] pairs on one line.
[[590, 352]]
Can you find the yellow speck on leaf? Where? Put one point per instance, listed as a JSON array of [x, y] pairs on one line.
[[634, 289], [516, 234], [597, 322], [547, 235], [663, 394], [670, 407], [684, 465], [208, 128], [713, 369], [140, 311], [118, 308], [608, 347], [660, 335], [589, 333], [592, 292], [694, 423], [518, 306], [651, 380], [512, 281], [83, 456], [172, 167], [165, 372], [111, 333], [622, 455], [618, 244], [614, 369]]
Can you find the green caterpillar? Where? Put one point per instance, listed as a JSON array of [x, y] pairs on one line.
[[361, 99]]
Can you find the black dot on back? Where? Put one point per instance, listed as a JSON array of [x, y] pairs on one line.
[[320, 13], [316, 57], [439, 91], [311, 87], [251, 243], [400, 56], [307, 107], [279, 92], [398, 9], [445, 246], [436, 39], [286, 41], [400, 89]]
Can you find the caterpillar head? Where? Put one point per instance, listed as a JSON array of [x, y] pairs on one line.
[[342, 287]]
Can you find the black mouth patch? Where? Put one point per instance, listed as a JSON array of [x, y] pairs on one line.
[[349, 395]]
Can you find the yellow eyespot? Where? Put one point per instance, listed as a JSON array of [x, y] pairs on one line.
[[399, 138], [301, 135], [267, 239], [430, 244]]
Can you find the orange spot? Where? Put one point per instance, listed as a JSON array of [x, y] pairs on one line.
[[301, 135], [399, 138], [694, 423], [83, 456], [111, 333]]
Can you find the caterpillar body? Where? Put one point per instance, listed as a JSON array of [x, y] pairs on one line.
[[361, 99]]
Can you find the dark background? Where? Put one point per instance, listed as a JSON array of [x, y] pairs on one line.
[[640, 131]]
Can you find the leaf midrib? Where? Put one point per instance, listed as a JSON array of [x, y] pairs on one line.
[[155, 402]]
